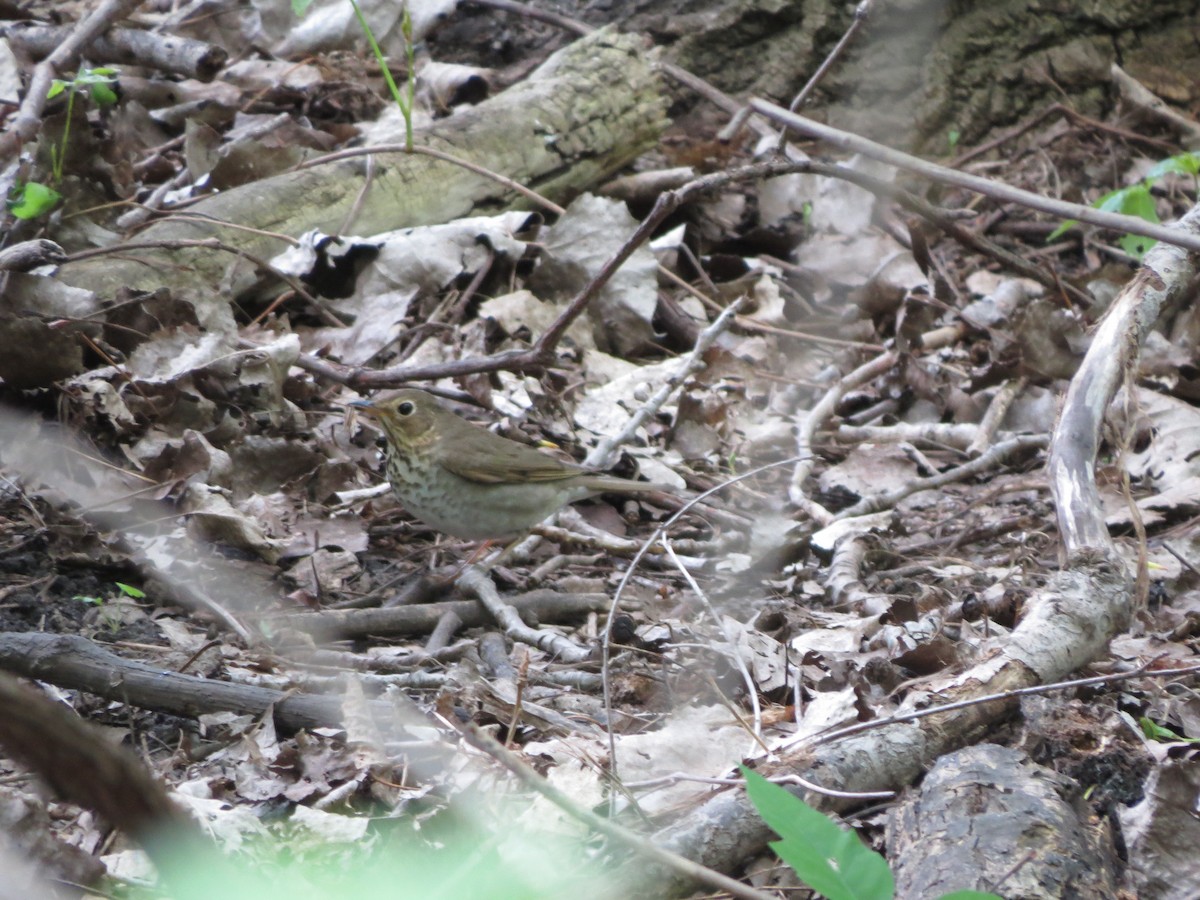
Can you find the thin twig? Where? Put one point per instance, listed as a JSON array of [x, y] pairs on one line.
[[606, 641], [994, 416], [807, 427], [977, 466], [827, 737], [999, 191], [601, 455], [475, 581], [861, 13], [751, 689], [638, 843], [503, 180], [321, 311]]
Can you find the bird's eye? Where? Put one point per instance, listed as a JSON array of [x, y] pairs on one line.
[[407, 408]]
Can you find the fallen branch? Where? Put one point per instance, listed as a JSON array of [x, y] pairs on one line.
[[546, 605], [71, 661], [583, 114], [1004, 193]]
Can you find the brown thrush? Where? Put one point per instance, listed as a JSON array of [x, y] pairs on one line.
[[470, 483]]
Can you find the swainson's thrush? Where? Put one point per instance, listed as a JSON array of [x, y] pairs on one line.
[[470, 483]]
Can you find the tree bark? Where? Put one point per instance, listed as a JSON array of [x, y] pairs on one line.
[[920, 68]]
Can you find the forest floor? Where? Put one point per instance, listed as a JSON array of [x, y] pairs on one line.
[[860, 508]]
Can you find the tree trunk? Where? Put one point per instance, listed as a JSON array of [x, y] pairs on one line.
[[919, 68]]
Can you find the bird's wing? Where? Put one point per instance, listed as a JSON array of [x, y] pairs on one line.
[[501, 460]]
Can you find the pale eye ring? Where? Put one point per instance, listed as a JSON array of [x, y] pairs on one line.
[[407, 408]]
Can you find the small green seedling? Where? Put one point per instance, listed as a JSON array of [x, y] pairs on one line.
[[1156, 732], [829, 859], [403, 101], [33, 199], [97, 84], [1136, 200]]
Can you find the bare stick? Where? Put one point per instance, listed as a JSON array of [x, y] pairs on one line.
[[601, 455], [1136, 94], [861, 13], [638, 843], [975, 467], [25, 124], [370, 152], [129, 46], [1144, 671], [996, 411], [475, 581], [1166, 271], [807, 427], [996, 190], [739, 663], [606, 643]]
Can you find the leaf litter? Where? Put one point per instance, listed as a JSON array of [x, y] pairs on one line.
[[207, 452]]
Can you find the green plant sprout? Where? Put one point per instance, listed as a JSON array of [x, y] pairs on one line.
[[829, 859], [33, 199], [403, 101], [110, 610], [1156, 732], [1136, 200], [97, 82]]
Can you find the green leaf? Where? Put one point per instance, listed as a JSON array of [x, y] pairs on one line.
[[953, 136], [300, 7], [1061, 230], [1136, 245], [130, 591], [32, 199], [103, 95], [57, 86], [829, 859], [98, 75], [1134, 200], [1183, 164], [94, 601]]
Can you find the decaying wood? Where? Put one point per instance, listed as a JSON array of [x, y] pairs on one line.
[[988, 819], [74, 662], [131, 46], [587, 111], [919, 68]]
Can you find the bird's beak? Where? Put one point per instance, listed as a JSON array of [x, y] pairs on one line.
[[366, 406]]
